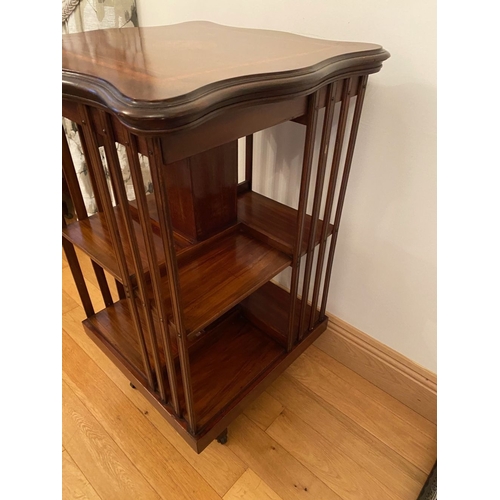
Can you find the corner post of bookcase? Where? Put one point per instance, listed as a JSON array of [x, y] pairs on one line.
[[311, 125], [165, 222]]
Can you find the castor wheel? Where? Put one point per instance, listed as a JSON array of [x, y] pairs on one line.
[[222, 437], [132, 385]]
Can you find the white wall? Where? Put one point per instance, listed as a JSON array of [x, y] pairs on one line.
[[384, 279]]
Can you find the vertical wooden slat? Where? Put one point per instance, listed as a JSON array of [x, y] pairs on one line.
[[89, 170], [140, 196], [103, 284], [102, 186], [318, 192], [163, 210], [69, 173], [339, 141], [249, 161], [76, 271], [312, 118], [343, 187], [117, 177], [81, 210], [121, 291]]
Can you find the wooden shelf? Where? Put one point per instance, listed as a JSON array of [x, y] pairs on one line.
[[268, 307], [92, 236], [214, 275], [115, 327], [224, 364], [275, 221], [232, 358], [218, 274]]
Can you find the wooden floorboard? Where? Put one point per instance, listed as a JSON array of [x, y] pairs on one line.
[[320, 431], [326, 461], [106, 467], [390, 468], [391, 429], [251, 487], [75, 485], [373, 392]]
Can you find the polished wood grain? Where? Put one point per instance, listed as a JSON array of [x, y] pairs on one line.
[[214, 130], [202, 192], [217, 378], [71, 291], [93, 237], [274, 221], [268, 309], [67, 302], [115, 326], [270, 221], [343, 188], [234, 356], [228, 270], [249, 446], [214, 280], [172, 75]]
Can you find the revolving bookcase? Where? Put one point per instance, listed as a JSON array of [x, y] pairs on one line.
[[200, 327]]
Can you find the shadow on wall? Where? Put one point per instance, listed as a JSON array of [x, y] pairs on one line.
[[278, 152], [384, 277]]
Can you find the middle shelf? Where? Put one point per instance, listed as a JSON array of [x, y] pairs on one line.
[[215, 274], [228, 269]]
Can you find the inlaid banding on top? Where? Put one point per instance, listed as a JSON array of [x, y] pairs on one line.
[[174, 75]]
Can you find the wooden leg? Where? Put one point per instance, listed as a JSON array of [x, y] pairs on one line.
[[103, 284], [120, 290], [222, 437], [76, 271]]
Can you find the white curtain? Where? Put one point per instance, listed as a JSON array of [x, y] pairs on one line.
[[88, 15]]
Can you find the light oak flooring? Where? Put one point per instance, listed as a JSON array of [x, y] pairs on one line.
[[320, 432]]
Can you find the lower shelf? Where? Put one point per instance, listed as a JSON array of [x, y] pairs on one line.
[[224, 361], [230, 365], [268, 309], [233, 357]]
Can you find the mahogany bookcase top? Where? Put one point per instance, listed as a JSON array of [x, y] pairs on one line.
[[177, 73]]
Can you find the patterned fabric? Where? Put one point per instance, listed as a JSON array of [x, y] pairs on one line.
[[87, 15], [90, 15], [68, 6]]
